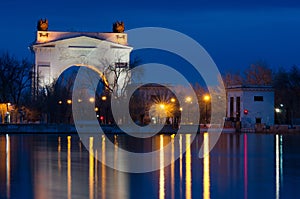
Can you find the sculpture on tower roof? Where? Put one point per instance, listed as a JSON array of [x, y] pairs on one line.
[[42, 25], [118, 27]]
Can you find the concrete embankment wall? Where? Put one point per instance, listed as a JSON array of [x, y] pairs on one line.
[[37, 128], [70, 128]]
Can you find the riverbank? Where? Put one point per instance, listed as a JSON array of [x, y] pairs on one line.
[[70, 128], [168, 129]]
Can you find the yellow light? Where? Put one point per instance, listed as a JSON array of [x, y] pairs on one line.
[[180, 109], [60, 102], [92, 99], [79, 100], [188, 168], [69, 175], [103, 98], [277, 110], [8, 104], [162, 106], [173, 99], [161, 170], [206, 167], [96, 108], [188, 99], [206, 98], [69, 101], [91, 168]]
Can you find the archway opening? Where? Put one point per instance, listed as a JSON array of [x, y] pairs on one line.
[[60, 98]]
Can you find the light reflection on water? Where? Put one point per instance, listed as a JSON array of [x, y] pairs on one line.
[[240, 166], [206, 174]]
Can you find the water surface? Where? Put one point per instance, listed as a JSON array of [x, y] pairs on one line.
[[239, 166]]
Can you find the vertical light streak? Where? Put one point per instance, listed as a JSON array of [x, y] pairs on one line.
[[245, 166], [59, 155], [206, 169], [103, 171], [172, 169], [96, 172], [278, 162], [91, 168], [188, 176], [180, 162], [115, 152], [161, 171], [69, 168], [7, 166]]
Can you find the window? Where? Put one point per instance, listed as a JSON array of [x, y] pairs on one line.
[[258, 98], [238, 108], [231, 106], [258, 120], [121, 65]]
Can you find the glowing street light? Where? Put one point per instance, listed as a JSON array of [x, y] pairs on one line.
[[277, 110], [59, 102], [92, 99], [206, 99], [69, 101], [188, 99], [103, 98], [162, 106], [173, 100]]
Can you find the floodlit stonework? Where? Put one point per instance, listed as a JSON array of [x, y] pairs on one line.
[[56, 51]]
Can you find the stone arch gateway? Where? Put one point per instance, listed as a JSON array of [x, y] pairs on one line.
[[55, 51]]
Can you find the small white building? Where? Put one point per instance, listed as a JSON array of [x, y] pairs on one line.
[[250, 105]]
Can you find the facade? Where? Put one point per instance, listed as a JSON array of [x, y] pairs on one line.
[[251, 105], [56, 51]]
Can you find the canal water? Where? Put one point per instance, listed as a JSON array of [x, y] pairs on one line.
[[239, 166]]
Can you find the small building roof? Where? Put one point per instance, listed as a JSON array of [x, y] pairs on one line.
[[250, 87]]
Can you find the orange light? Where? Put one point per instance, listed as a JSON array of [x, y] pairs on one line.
[[103, 98], [206, 98]]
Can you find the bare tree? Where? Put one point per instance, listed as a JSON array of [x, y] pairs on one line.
[[15, 79], [259, 74], [232, 79]]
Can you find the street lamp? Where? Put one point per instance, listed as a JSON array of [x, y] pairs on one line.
[[92, 99], [206, 99], [103, 98]]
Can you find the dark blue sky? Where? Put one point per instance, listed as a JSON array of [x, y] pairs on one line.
[[235, 33]]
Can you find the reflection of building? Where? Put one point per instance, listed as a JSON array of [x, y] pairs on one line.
[[251, 105]]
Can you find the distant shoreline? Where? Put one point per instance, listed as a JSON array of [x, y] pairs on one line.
[[112, 129], [71, 129]]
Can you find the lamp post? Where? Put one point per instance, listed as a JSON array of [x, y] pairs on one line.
[[206, 99], [103, 98]]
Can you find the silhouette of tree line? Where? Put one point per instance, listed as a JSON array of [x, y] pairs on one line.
[[51, 102]]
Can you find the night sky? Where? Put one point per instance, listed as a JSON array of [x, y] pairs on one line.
[[235, 33]]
